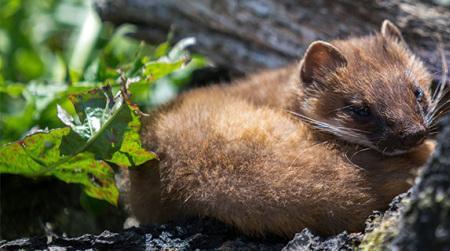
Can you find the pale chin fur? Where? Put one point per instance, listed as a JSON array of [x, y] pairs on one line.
[[365, 142]]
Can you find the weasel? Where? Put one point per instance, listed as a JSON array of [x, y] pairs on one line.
[[319, 144]]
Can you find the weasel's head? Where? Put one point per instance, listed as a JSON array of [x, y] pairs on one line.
[[371, 91]]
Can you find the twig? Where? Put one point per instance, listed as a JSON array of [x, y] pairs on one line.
[[124, 84]]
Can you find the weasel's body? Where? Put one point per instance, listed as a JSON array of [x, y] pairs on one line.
[[235, 153]]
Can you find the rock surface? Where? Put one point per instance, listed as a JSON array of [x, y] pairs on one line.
[[426, 222], [201, 234], [196, 234], [419, 219]]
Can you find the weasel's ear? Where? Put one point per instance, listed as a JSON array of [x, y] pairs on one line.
[[320, 57], [390, 31]]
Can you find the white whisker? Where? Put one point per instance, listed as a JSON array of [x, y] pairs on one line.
[[441, 91], [347, 134], [360, 151], [431, 117]]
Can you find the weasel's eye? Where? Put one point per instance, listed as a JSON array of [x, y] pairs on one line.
[[360, 111], [419, 94]]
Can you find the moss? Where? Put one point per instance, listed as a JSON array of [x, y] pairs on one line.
[[383, 228], [377, 239]]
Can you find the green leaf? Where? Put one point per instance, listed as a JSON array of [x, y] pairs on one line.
[[104, 129], [33, 67], [39, 155], [131, 152], [157, 70], [85, 44], [14, 90], [107, 127], [162, 49], [174, 61], [96, 176]]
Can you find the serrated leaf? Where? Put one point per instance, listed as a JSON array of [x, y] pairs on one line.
[[109, 129], [39, 155], [104, 129], [96, 176], [131, 152]]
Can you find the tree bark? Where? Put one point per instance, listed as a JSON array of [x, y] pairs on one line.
[[425, 225], [249, 35]]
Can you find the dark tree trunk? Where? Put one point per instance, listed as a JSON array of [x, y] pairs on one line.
[[249, 35]]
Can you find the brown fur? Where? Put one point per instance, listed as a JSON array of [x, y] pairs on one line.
[[234, 152]]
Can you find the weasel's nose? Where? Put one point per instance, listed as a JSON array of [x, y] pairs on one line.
[[415, 137]]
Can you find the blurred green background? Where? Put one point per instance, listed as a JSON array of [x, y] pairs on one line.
[[49, 46]]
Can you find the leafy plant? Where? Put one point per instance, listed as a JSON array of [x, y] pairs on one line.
[[73, 55], [84, 89]]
